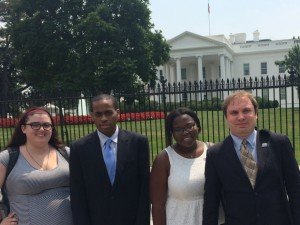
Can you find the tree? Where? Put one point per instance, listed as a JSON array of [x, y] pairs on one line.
[[41, 36], [8, 72], [117, 45], [292, 64], [85, 44]]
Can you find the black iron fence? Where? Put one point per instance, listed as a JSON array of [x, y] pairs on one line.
[[144, 111]]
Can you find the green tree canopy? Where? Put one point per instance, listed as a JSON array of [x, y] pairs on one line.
[[85, 44], [292, 64], [292, 60], [8, 72]]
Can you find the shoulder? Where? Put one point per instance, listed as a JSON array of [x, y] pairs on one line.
[[208, 144], [214, 149], [277, 136], [218, 148], [266, 135], [131, 135], [84, 139], [4, 157], [161, 160], [67, 149], [64, 152]]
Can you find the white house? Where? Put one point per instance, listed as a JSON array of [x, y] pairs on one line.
[[196, 58]]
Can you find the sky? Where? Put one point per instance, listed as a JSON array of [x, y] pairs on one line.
[[274, 19]]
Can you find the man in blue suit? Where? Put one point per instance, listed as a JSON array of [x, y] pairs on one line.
[[265, 193], [109, 183]]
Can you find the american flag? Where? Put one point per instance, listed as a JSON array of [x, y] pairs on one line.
[[208, 8]]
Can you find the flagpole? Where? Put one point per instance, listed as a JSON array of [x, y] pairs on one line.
[[208, 9]]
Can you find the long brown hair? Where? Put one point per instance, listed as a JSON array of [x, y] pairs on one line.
[[19, 138]]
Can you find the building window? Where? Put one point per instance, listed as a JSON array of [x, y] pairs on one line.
[[204, 72], [281, 68], [183, 74], [263, 68], [282, 93], [246, 68]]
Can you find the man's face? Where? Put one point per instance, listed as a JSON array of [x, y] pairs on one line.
[[105, 116], [241, 117]]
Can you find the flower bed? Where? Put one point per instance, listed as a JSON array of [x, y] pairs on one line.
[[69, 119]]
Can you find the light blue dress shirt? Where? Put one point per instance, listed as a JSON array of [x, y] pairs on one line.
[[251, 144], [103, 138]]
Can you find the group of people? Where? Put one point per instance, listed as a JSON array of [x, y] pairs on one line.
[[104, 178]]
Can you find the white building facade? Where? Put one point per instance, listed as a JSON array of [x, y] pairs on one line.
[[197, 58]]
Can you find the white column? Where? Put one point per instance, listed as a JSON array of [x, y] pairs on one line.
[[172, 74], [200, 65], [178, 70], [222, 66], [229, 75], [231, 70], [226, 67], [167, 72]]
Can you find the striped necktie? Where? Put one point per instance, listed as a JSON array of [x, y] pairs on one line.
[[248, 163]]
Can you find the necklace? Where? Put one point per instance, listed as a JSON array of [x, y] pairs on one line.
[[190, 154], [36, 160]]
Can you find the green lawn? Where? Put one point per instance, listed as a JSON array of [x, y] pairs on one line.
[[213, 128]]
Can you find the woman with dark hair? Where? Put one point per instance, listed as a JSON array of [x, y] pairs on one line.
[[37, 187], [177, 175]]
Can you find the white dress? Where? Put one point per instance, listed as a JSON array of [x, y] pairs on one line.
[[185, 189]]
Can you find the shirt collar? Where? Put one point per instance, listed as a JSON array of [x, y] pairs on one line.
[[251, 139], [103, 138]]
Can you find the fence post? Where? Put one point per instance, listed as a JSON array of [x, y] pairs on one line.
[[293, 80], [163, 84], [61, 115]]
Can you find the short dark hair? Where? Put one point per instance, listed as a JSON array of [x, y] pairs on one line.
[[104, 97], [19, 138], [173, 115]]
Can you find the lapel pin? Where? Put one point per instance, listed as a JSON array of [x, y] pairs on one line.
[[264, 145]]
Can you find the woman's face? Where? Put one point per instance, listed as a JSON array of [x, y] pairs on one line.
[[38, 128], [185, 130]]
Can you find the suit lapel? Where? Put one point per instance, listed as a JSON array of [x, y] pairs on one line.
[[233, 158], [94, 148], [96, 157], [122, 154], [262, 149], [235, 163]]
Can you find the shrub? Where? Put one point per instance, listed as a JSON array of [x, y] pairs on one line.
[[87, 119], [266, 104]]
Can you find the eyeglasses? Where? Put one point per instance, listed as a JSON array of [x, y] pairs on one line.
[[188, 128], [37, 126]]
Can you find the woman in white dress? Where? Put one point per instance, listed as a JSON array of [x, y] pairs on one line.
[[177, 175]]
